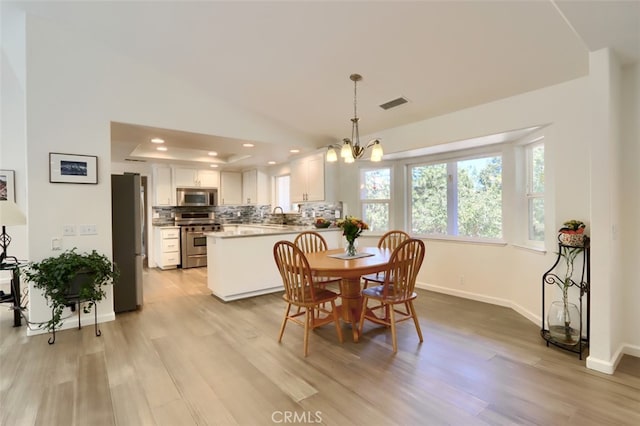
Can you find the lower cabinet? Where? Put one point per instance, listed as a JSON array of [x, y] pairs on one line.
[[167, 247]]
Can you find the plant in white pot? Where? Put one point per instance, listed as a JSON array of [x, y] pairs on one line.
[[572, 233]]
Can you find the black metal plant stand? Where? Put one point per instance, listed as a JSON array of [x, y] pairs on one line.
[[550, 278], [73, 301]]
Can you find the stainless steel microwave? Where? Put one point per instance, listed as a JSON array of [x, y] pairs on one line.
[[197, 196]]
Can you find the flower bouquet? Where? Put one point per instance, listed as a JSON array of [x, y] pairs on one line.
[[351, 229]]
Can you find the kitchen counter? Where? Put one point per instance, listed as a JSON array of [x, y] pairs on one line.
[[240, 259], [252, 230]]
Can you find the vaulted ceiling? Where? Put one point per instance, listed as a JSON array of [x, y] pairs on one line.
[[291, 61]]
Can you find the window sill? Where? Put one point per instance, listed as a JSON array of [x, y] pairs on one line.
[[541, 250], [486, 242]]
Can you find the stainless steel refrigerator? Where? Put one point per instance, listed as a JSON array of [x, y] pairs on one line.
[[126, 221]]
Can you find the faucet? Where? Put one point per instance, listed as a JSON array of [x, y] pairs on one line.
[[284, 219]]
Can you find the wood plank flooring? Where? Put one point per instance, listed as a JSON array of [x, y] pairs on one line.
[[187, 358]]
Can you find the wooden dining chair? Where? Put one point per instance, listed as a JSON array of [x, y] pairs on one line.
[[311, 242], [397, 289], [301, 292], [390, 240]]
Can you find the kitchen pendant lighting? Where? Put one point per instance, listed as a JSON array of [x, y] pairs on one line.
[[351, 149]]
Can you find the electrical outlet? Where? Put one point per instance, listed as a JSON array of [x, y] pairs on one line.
[[56, 244], [239, 214], [68, 230], [461, 280]]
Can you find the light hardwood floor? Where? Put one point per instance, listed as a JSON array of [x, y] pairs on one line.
[[186, 358]]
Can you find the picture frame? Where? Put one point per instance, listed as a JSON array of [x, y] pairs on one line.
[[73, 168], [7, 185]]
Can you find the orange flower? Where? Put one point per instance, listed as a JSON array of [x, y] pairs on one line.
[[351, 227]]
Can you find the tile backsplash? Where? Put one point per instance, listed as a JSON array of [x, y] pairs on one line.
[[306, 215]]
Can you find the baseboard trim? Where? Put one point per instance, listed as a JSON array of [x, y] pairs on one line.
[[72, 322], [483, 298], [603, 366], [609, 366]]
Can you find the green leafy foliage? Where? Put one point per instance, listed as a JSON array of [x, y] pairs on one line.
[[71, 275]]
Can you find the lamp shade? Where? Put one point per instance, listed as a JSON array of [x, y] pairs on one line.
[[10, 214]]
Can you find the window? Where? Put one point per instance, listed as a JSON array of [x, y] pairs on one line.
[[282, 192], [375, 198], [535, 191], [457, 198]]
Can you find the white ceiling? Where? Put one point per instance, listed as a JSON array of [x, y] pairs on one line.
[[291, 61]]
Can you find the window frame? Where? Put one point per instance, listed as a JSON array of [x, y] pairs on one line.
[[529, 195], [451, 160], [388, 201]]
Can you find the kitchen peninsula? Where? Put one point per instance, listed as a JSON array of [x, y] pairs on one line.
[[240, 260]]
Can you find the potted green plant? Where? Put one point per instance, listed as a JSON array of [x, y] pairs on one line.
[[572, 233], [69, 278]]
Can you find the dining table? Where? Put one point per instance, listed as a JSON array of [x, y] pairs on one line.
[[335, 263]]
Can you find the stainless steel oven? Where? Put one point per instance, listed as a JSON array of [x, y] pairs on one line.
[[193, 242]]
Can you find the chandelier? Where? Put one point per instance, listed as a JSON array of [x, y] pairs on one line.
[[351, 148]]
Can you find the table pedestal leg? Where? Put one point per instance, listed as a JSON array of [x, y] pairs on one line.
[[351, 303]]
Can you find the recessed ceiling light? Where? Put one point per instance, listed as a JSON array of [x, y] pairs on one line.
[[161, 148], [213, 153], [157, 140], [271, 162], [213, 165], [248, 145], [294, 151]]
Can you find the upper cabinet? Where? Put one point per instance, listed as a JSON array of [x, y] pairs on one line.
[[307, 179], [185, 178], [255, 187], [164, 194], [230, 188]]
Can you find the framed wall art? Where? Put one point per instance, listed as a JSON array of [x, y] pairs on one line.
[[72, 168], [7, 186]]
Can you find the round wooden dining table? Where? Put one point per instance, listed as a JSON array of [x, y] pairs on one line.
[[350, 270]]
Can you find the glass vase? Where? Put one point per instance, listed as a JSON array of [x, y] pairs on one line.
[[351, 247], [564, 322]]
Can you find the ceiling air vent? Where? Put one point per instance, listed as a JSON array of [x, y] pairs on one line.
[[135, 160], [394, 103]]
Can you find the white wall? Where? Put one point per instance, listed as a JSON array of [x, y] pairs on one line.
[[630, 202], [12, 116]]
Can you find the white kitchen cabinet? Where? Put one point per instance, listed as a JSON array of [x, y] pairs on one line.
[[307, 179], [209, 178], [230, 188], [167, 246], [164, 194], [255, 187], [189, 178]]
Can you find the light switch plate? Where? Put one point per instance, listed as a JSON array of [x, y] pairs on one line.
[[88, 229], [68, 230]]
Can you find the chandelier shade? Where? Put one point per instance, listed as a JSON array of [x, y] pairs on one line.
[[351, 149]]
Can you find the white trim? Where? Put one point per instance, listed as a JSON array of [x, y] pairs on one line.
[[72, 322], [540, 250], [536, 319], [603, 366], [609, 366]]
